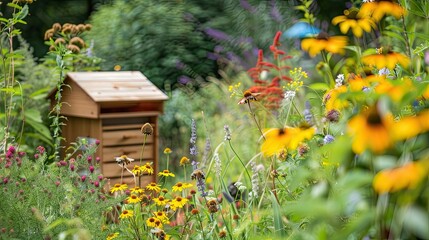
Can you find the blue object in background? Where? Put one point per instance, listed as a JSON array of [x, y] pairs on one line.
[[301, 30]]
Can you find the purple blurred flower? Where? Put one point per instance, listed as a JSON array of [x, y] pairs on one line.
[[246, 5], [184, 79], [328, 139], [216, 34], [275, 13]]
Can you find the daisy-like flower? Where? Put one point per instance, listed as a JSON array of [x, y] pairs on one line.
[[388, 60], [112, 236], [332, 101], [356, 21], [370, 130], [133, 199], [153, 187], [118, 187], [395, 89], [137, 170], [160, 201], [178, 187], [147, 168], [161, 215], [166, 173], [136, 190], [323, 41], [178, 202], [378, 9], [279, 139], [184, 161], [123, 160], [126, 214], [154, 222], [403, 177], [167, 151]]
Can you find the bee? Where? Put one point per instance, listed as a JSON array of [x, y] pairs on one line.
[[123, 160], [198, 174], [248, 97]]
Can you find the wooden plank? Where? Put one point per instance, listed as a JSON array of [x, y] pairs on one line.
[[82, 127], [133, 151], [124, 137], [125, 126], [78, 103], [129, 114]]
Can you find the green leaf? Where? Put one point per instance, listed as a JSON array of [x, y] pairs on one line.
[[319, 86], [416, 220], [34, 119], [278, 224], [39, 94]]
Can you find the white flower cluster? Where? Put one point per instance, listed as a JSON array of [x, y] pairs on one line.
[[339, 81]]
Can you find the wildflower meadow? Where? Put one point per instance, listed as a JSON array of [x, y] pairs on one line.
[[324, 136]]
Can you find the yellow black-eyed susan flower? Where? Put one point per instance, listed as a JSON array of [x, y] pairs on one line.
[[118, 187], [323, 41], [332, 101], [154, 222], [153, 187], [389, 59], [161, 215], [355, 20], [378, 9], [161, 201], [370, 130], [403, 177], [147, 168], [126, 214], [136, 190], [280, 139], [166, 173], [133, 199], [178, 187], [178, 202]]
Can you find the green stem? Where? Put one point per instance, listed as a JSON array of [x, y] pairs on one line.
[[247, 172], [142, 151], [254, 119]]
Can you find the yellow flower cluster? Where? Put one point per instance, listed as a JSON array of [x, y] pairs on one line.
[[235, 90], [297, 74]]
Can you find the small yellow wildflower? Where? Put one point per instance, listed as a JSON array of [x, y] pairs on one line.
[[137, 170], [112, 236], [147, 168], [136, 190], [118, 187], [184, 161], [126, 214], [166, 173], [133, 199], [161, 215], [154, 222], [161, 201], [178, 202], [167, 151], [153, 187], [178, 187]]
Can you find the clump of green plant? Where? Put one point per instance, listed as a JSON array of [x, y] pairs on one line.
[[65, 198]]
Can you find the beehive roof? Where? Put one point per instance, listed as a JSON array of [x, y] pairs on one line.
[[116, 86]]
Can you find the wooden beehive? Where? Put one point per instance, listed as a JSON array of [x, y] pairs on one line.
[[112, 107]]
